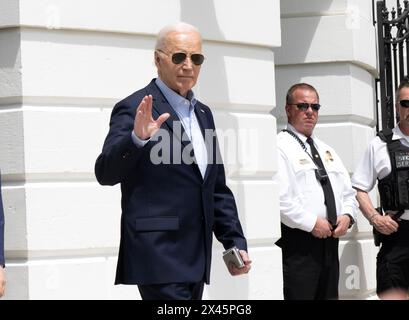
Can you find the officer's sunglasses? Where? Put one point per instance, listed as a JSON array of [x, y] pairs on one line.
[[404, 103], [178, 57], [303, 106]]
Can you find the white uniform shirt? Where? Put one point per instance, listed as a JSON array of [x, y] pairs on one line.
[[301, 194], [376, 164]]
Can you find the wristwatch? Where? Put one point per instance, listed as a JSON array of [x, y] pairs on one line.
[[351, 220]]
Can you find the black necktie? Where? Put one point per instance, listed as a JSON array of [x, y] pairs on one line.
[[325, 183]]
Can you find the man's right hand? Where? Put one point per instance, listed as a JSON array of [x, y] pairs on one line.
[[144, 125], [322, 229], [385, 224]]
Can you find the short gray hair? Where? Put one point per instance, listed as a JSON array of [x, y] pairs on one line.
[[403, 84], [305, 86], [177, 27]]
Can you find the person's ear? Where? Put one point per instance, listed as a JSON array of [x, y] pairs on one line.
[[157, 58], [397, 112], [287, 110]]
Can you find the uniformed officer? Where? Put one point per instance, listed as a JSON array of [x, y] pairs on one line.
[[387, 160], [317, 201]]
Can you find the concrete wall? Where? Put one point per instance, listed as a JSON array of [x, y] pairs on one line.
[[63, 65], [331, 45]]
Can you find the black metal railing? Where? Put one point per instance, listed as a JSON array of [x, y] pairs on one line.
[[393, 51]]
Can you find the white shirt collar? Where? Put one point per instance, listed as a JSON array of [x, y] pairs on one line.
[[302, 137], [398, 134]]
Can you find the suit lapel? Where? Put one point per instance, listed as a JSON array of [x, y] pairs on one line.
[[161, 106]]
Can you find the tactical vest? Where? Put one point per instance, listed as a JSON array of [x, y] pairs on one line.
[[394, 188]]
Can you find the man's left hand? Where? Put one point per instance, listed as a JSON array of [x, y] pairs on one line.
[[342, 226], [234, 271]]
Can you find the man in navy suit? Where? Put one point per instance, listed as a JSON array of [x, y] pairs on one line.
[[2, 273], [174, 193]]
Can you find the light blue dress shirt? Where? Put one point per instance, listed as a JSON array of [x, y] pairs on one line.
[[184, 108]]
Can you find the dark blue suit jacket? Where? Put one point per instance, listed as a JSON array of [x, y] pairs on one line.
[[169, 212], [1, 229]]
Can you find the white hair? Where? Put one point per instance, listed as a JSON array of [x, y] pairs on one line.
[[177, 27]]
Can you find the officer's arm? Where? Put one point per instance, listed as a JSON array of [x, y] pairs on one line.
[[365, 205], [384, 224]]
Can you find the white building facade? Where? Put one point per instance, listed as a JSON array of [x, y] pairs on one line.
[[332, 45], [63, 66]]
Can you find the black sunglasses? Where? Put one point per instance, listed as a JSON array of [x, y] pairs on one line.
[[303, 106], [404, 103], [178, 57]]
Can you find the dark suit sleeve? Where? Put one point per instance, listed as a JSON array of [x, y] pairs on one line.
[[227, 227], [119, 154], [1, 229]]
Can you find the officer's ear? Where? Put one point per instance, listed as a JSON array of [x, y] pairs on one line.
[[287, 110]]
